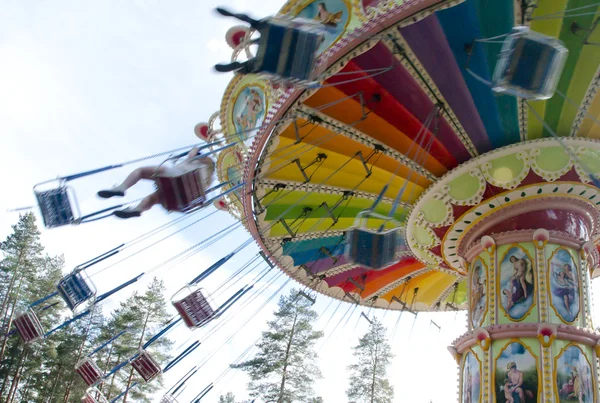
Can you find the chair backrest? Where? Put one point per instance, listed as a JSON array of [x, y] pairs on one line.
[[530, 65], [182, 193], [194, 309], [146, 366], [29, 327], [55, 206], [75, 289], [89, 371]]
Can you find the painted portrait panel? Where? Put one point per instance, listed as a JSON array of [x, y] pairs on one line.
[[517, 284], [574, 380], [249, 112], [333, 14], [471, 380], [564, 285], [478, 294], [516, 377]]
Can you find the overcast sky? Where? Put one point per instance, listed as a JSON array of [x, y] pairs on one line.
[[84, 84]]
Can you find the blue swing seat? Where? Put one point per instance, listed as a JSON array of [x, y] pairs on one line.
[[93, 395], [75, 289], [529, 65], [145, 365], [57, 205], [29, 327], [287, 50], [374, 248]]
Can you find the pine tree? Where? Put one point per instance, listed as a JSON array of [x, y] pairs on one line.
[[368, 376], [284, 369], [228, 398]]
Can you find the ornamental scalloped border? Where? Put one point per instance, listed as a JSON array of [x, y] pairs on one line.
[[415, 215], [453, 238]]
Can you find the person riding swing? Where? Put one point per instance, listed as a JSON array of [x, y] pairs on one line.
[[202, 165]]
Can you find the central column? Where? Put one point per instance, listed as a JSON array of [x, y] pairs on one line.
[[530, 336]]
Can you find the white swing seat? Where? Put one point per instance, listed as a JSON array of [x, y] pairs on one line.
[[29, 327], [168, 399], [146, 366], [194, 308], [58, 205], [89, 371], [76, 288], [93, 395], [287, 50], [182, 193], [529, 65], [372, 248]]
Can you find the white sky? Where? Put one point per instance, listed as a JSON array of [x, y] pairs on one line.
[[85, 84]]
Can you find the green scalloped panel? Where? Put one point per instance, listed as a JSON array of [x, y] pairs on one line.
[[422, 235], [434, 211], [464, 187], [591, 160], [552, 159], [506, 168]]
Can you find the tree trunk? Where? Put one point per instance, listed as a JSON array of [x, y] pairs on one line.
[[374, 372], [9, 323], [106, 368], [79, 354], [55, 383], [112, 380], [139, 346], [17, 378], [4, 384], [285, 361], [10, 287]]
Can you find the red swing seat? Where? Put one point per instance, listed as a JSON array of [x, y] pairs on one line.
[[146, 366], [93, 395], [194, 309], [182, 193], [89, 371], [29, 327]]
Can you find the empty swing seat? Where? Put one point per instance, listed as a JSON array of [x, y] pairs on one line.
[[194, 309], [372, 247], [29, 327], [89, 371], [287, 49], [93, 395], [168, 399], [56, 206], [530, 65], [75, 289], [146, 366], [182, 193]]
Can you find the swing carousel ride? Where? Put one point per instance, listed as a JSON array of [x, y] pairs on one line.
[[419, 156]]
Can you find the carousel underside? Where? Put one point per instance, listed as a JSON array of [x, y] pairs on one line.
[[402, 104]]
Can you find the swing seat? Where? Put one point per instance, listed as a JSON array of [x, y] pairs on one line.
[[168, 399], [57, 205], [371, 247], [194, 308], [287, 50], [146, 366], [29, 327], [530, 65], [182, 193], [75, 289], [93, 395], [89, 371]]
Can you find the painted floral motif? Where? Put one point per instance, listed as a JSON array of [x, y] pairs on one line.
[[564, 285], [478, 292], [516, 375], [471, 379], [517, 283], [574, 380]]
